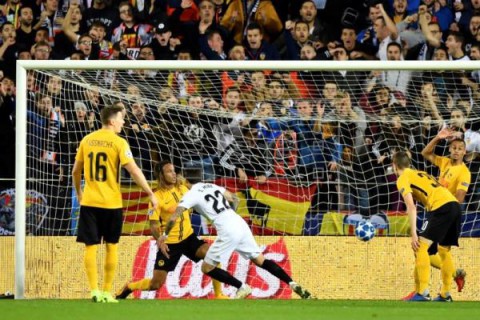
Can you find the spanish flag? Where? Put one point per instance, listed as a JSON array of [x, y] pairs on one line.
[[274, 208]]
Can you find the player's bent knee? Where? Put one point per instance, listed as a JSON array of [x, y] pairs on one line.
[[206, 268], [258, 260]]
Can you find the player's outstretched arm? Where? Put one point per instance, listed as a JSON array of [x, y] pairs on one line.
[[232, 199], [427, 152], [412, 215], [173, 218]]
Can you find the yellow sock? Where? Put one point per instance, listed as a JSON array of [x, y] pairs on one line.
[[417, 282], [436, 261], [90, 262], [143, 285], [111, 260], [217, 286], [423, 267], [447, 270]]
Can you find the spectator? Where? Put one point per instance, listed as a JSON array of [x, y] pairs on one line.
[[329, 92], [41, 35], [211, 46], [78, 127], [140, 137], [50, 19], [163, 45], [347, 121], [472, 138], [432, 33], [71, 30], [475, 55], [385, 31], [258, 89], [134, 34], [24, 54], [239, 15], [397, 80], [430, 106], [353, 81], [454, 43], [98, 32], [269, 128], [237, 53], [441, 12], [399, 11], [256, 48], [471, 31], [7, 132], [9, 48], [296, 40], [361, 180], [10, 11], [229, 131], [306, 124], [101, 11], [208, 21], [25, 32], [247, 158], [193, 140], [354, 48], [182, 14], [41, 50], [46, 123], [278, 96], [367, 36]]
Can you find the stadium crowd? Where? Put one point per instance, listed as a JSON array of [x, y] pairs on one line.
[[337, 129]]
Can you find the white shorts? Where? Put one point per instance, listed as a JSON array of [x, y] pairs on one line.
[[233, 235]]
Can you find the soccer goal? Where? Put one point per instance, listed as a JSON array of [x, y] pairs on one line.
[[306, 146]]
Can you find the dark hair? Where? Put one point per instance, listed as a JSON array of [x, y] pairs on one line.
[[6, 23], [255, 26], [401, 160], [301, 22], [459, 37], [395, 44], [109, 112], [212, 32], [458, 140], [98, 24], [158, 171], [24, 7]]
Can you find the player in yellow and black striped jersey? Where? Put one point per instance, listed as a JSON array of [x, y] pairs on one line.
[[181, 239], [455, 176], [100, 156], [442, 223]]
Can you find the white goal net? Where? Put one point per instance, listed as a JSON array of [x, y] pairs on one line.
[[308, 151]]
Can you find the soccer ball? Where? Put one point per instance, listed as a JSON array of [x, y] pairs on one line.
[[364, 230]]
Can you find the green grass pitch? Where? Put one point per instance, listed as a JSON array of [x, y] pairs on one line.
[[236, 309]]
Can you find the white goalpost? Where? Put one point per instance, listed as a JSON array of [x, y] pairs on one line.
[[312, 161]]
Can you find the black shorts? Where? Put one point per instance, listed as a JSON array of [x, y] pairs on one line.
[[443, 225], [97, 223], [187, 247]]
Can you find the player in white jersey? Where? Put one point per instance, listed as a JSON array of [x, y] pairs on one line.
[[233, 234]]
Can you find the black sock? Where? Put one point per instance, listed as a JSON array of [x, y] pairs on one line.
[[225, 277], [276, 270]]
